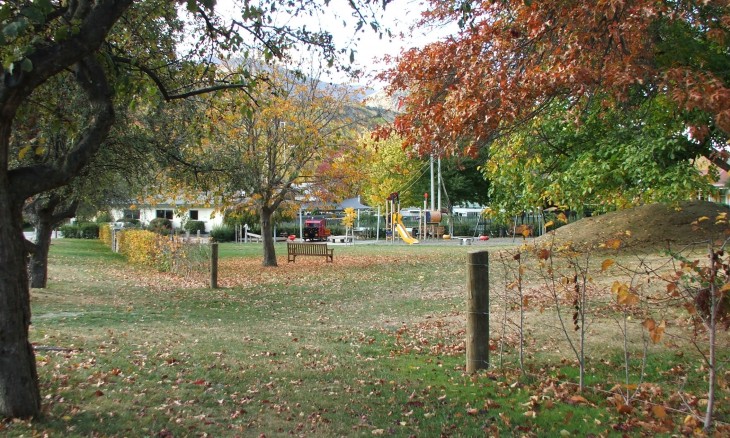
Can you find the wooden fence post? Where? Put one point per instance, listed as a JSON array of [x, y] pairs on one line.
[[477, 320], [214, 265]]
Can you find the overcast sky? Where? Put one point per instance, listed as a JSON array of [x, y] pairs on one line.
[[398, 16]]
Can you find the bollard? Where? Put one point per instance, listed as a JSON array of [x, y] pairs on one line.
[[477, 319], [214, 265]]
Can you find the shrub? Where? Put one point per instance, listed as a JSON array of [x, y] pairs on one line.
[[104, 217], [194, 226], [138, 246], [89, 230], [463, 229], [160, 225], [147, 248], [69, 231], [336, 230], [223, 233], [85, 230], [105, 234]]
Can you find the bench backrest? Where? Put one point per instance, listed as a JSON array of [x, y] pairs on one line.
[[307, 248]]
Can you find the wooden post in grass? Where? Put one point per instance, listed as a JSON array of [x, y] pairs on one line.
[[477, 319], [214, 265]]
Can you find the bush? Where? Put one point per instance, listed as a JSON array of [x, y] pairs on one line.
[[223, 233], [104, 217], [194, 226], [144, 247], [160, 225], [89, 230], [105, 234], [70, 231], [286, 229], [137, 246], [85, 230], [463, 230]]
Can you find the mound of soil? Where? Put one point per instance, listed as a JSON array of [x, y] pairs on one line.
[[650, 226]]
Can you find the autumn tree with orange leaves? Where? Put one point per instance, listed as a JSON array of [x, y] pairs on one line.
[[273, 153], [514, 61]]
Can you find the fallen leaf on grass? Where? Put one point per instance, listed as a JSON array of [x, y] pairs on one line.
[[505, 419], [659, 412], [624, 409], [577, 399]]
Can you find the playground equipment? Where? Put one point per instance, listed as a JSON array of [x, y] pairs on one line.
[[316, 229], [243, 235], [429, 222], [404, 234], [394, 221]]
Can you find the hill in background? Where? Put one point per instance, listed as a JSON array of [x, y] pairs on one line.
[[650, 226]]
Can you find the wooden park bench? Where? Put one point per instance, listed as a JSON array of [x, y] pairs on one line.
[[294, 249]]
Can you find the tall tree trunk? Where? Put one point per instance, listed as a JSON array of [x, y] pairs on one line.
[[267, 231], [47, 212], [19, 390], [38, 266]]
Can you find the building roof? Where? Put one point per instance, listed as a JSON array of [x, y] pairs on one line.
[[352, 203]]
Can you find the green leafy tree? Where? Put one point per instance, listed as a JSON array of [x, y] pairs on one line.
[[104, 46], [384, 168], [611, 159], [513, 65], [462, 180], [107, 180]]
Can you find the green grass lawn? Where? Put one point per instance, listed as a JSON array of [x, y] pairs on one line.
[[369, 345]]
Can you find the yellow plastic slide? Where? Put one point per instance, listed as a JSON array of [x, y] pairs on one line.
[[404, 234]]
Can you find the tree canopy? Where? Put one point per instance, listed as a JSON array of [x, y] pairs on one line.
[[267, 155], [517, 63], [151, 49]]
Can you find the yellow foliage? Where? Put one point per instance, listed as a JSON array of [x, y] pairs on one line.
[[624, 295], [160, 252], [606, 264], [350, 215], [105, 234], [23, 152], [139, 246]]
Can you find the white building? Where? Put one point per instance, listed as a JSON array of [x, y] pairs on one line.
[[178, 213], [468, 209]]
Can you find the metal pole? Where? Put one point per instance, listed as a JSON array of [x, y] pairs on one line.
[[377, 227], [477, 319], [438, 186], [301, 224], [432, 187]]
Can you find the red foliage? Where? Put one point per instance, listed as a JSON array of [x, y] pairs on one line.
[[513, 57]]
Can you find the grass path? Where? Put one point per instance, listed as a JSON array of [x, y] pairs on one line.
[[369, 345]]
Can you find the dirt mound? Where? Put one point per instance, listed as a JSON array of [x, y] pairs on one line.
[[652, 225]]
